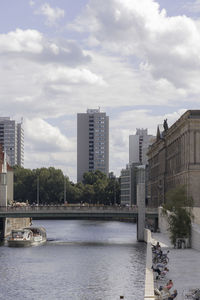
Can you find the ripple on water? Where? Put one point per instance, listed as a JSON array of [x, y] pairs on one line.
[[81, 260]]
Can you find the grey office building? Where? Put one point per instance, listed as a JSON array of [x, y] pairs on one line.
[[92, 142], [12, 140], [138, 146]]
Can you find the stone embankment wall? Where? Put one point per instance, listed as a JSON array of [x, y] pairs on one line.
[[195, 240], [196, 214], [15, 223], [162, 222], [149, 280]]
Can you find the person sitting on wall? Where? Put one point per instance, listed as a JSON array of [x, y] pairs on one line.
[[159, 270], [173, 296], [167, 287]]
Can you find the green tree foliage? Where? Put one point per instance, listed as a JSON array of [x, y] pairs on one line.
[[113, 192], [95, 188], [23, 184], [51, 185], [180, 216], [88, 193]]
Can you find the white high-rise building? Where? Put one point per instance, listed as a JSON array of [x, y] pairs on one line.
[[92, 142], [138, 146], [12, 140]]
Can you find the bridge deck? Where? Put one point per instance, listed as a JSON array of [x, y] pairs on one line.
[[71, 212]]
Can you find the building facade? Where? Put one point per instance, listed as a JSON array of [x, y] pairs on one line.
[[138, 146], [128, 185], [92, 142], [12, 140], [174, 159], [6, 180]]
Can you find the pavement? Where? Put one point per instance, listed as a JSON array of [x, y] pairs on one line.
[[184, 267]]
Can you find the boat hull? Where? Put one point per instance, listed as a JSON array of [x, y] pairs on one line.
[[30, 236], [14, 243]]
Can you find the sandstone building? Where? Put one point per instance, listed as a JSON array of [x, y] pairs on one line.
[[174, 159]]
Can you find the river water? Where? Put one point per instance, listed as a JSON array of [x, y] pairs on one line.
[[82, 260]]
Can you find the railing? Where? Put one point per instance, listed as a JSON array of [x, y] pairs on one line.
[[63, 211], [66, 208]]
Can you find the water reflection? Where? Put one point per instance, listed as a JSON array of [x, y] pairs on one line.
[[81, 260]]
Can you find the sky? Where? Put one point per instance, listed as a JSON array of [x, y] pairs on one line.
[[139, 61]]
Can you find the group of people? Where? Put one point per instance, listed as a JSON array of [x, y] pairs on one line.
[[162, 270]]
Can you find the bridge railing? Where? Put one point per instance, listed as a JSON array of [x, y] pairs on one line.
[[74, 209], [65, 208]]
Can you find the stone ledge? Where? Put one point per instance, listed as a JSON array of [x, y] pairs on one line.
[[149, 282]]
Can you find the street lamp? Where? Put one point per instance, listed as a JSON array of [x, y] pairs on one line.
[[38, 186]]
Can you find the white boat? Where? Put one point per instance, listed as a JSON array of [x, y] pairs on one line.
[[29, 236]]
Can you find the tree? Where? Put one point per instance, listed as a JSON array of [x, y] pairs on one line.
[[88, 193], [51, 185], [23, 184], [95, 188], [113, 191], [180, 216]]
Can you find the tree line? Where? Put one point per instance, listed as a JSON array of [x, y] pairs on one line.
[[56, 188]]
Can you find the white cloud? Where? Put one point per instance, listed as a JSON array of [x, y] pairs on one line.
[[46, 146], [31, 3], [66, 161], [32, 45], [29, 41], [52, 14], [55, 88], [169, 46], [74, 76], [45, 137]]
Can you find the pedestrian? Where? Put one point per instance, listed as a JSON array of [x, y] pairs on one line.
[[167, 287], [173, 296]]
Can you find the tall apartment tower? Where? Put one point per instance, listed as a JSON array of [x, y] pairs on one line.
[[12, 140], [92, 142], [138, 146]]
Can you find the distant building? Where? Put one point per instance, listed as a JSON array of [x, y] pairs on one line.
[[128, 184], [174, 159], [6, 180], [92, 142], [12, 140], [138, 146]]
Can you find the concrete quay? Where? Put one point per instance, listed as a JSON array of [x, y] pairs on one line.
[[184, 267]]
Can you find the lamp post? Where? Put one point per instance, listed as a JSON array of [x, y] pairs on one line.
[[64, 190], [114, 191], [38, 195]]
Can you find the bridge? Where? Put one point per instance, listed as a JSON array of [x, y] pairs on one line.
[[75, 212]]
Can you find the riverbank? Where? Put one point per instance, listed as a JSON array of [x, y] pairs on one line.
[[184, 266]]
